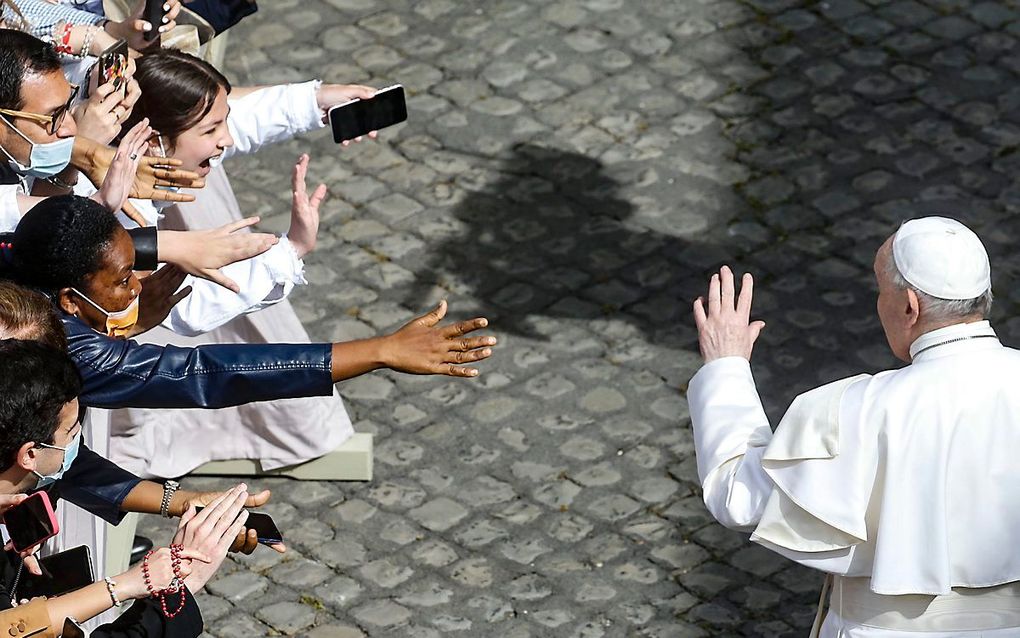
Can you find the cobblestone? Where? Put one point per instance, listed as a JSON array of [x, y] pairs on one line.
[[574, 170]]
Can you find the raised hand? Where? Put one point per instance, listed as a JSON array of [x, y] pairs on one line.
[[212, 531], [424, 347], [94, 160], [304, 215], [726, 329], [134, 28], [159, 296], [121, 175]]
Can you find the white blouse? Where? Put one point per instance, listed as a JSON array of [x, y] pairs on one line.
[[262, 117]]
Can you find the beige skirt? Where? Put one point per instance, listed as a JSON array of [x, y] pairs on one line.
[[168, 443]]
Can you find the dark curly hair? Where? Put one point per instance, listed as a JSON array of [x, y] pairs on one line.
[[36, 382], [59, 243], [178, 90]]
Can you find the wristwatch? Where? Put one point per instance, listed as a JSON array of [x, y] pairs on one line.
[[169, 488]]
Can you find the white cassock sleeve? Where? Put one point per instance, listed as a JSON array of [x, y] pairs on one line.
[[731, 435], [273, 114]]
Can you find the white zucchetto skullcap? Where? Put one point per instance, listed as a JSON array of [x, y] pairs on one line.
[[942, 257]]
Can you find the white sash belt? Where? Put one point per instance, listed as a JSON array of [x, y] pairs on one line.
[[962, 610]]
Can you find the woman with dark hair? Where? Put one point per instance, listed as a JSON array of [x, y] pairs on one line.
[[202, 120], [67, 248]]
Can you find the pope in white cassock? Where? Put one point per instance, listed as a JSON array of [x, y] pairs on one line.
[[904, 486]]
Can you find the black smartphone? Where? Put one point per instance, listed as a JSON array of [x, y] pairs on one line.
[[31, 521], [264, 526], [113, 65], [153, 15], [63, 572], [72, 629], [360, 117]]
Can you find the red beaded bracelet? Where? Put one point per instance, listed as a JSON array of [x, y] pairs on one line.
[[64, 46], [176, 585]]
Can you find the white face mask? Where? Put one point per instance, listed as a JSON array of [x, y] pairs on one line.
[[45, 160]]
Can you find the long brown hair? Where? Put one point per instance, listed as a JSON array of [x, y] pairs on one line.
[[178, 90]]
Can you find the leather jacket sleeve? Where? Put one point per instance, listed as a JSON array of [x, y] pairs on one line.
[[95, 484], [120, 373]]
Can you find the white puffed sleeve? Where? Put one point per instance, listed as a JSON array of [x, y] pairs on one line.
[[264, 280], [273, 114]]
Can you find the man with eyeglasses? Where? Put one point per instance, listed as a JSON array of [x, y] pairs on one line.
[[36, 136]]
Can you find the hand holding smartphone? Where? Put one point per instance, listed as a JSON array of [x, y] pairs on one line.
[[264, 526], [113, 65], [360, 117], [31, 521], [153, 14]]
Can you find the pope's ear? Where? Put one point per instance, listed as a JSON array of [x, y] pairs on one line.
[[913, 308], [68, 301]]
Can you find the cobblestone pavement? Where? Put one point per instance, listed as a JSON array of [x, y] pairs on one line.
[[574, 169]]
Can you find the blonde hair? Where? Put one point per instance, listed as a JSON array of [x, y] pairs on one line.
[[29, 315]]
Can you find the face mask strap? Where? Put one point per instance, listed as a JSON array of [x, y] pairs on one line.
[[15, 129], [92, 303]]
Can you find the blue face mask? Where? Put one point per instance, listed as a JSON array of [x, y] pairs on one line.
[[45, 160], [70, 454]]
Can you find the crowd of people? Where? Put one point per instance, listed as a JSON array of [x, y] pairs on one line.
[[131, 281]]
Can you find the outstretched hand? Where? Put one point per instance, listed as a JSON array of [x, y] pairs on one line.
[[203, 252], [726, 329], [424, 347]]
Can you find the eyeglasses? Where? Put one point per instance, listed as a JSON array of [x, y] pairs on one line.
[[54, 120]]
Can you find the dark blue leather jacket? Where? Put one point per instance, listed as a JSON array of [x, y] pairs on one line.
[[119, 373]]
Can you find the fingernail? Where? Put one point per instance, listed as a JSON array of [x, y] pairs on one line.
[[474, 373], [486, 352], [491, 341], [165, 19], [483, 322]]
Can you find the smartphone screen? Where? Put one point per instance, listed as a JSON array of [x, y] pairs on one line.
[[154, 16], [264, 526], [360, 117], [63, 572], [113, 64], [31, 521]]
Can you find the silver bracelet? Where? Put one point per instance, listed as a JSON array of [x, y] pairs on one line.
[[169, 488], [90, 35], [111, 587]]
